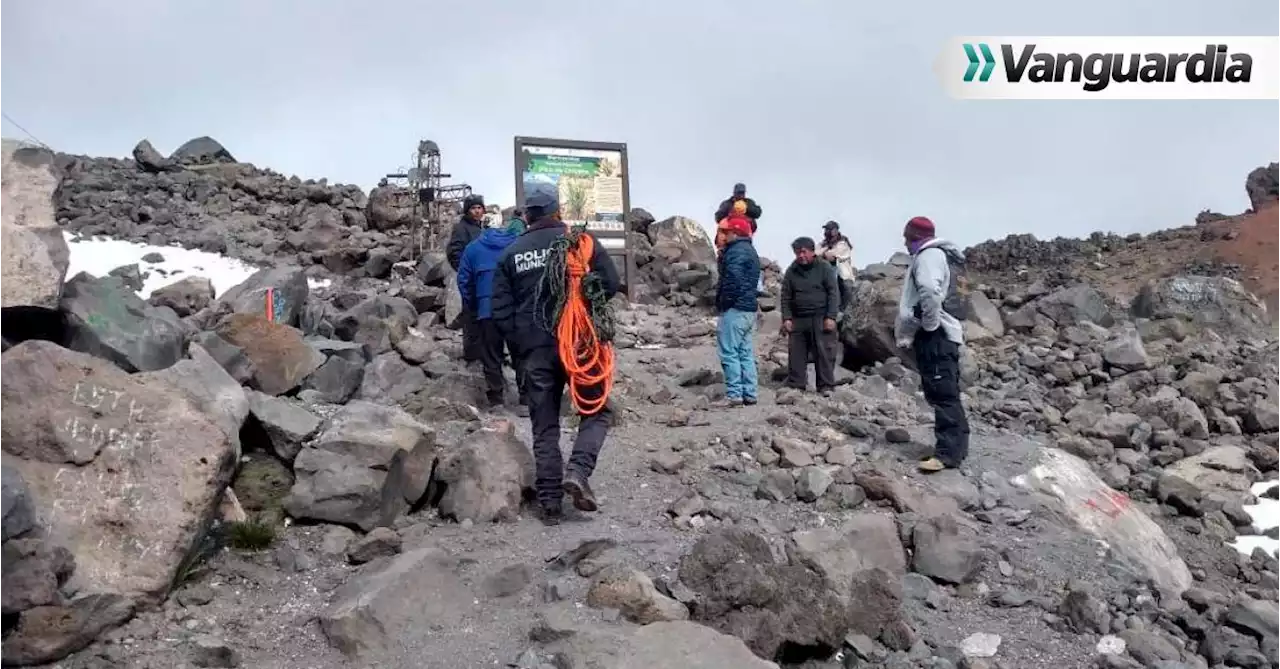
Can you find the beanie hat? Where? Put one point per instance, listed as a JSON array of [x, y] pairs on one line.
[[515, 226], [739, 189], [803, 243], [738, 225], [922, 225]]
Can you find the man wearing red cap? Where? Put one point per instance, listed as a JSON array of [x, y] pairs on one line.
[[930, 319], [736, 302]]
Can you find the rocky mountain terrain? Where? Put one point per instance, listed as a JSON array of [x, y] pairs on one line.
[[194, 484]]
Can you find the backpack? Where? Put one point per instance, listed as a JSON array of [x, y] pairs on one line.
[[956, 301]]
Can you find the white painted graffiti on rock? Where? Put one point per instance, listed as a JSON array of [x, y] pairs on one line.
[[115, 428]]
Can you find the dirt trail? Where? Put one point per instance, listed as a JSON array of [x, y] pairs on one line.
[[267, 613]]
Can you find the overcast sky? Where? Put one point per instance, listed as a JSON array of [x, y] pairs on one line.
[[824, 109]]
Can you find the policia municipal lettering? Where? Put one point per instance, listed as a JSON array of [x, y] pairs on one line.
[[540, 303]]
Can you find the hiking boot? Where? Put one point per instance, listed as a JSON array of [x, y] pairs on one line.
[[749, 401], [550, 515], [825, 392], [931, 465], [727, 403], [495, 400], [577, 488]]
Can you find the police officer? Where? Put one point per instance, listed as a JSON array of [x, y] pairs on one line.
[[522, 305]]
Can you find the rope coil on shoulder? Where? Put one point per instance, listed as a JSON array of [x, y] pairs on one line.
[[581, 320]]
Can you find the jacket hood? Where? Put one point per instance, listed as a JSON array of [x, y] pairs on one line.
[[497, 239], [947, 247]]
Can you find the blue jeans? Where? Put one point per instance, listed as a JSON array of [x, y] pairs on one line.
[[735, 339]]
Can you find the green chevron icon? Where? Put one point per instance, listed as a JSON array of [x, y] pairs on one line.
[[987, 57]]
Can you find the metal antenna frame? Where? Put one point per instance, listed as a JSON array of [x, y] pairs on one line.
[[422, 182]]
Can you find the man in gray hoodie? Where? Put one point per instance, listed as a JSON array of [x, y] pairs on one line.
[[930, 319]]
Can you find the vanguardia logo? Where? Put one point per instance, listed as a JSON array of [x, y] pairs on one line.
[[1098, 70], [1143, 67]]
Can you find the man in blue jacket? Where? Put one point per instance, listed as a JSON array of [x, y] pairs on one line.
[[736, 303], [476, 269]]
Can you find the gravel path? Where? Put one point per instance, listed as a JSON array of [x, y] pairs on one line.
[[266, 613]]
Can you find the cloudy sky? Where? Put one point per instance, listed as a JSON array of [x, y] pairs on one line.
[[825, 109]]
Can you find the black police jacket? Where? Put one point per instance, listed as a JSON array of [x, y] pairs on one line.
[[522, 267]]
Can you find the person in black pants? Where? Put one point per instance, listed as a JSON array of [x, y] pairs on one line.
[[521, 304], [930, 323], [810, 305], [467, 230]]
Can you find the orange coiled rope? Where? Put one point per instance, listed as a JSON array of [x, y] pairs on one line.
[[587, 359]]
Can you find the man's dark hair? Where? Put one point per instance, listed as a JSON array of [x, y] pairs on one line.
[[803, 243]]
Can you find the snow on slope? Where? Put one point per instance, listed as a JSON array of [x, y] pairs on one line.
[[1266, 515], [100, 255]]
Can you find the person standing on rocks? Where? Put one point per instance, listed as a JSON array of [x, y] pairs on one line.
[[837, 250], [752, 209], [930, 315], [475, 284], [525, 307], [465, 231], [810, 305], [736, 301]]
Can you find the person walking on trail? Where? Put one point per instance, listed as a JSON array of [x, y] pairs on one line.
[[475, 284], [736, 302], [465, 231], [750, 208], [837, 250], [550, 284], [930, 319], [810, 305]]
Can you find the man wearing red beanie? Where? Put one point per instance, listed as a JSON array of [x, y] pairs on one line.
[[931, 314]]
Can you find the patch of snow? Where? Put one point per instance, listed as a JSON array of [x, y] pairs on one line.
[[1266, 515], [99, 255]]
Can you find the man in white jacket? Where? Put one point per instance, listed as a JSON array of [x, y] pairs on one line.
[[930, 319], [837, 250]]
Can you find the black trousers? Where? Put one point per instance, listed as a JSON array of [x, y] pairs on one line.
[[493, 349], [545, 382], [472, 338], [846, 294], [808, 341], [938, 359]]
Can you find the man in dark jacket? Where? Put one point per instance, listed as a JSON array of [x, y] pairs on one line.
[[810, 305], [465, 231], [739, 193], [522, 305], [475, 285], [736, 302]]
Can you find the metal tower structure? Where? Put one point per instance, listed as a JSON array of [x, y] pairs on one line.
[[423, 184]]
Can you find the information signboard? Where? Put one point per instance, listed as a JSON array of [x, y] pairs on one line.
[[592, 183]]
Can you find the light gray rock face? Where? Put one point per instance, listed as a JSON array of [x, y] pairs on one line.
[[36, 256]]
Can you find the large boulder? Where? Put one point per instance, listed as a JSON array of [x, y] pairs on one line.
[[202, 151], [1097, 508], [1077, 304], [35, 254], [108, 320], [390, 207], [368, 465], [288, 288], [1263, 185], [126, 470], [1213, 302], [682, 644], [741, 590], [680, 239], [280, 357], [484, 479], [867, 327]]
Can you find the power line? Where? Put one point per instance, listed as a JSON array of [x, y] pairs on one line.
[[24, 130]]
